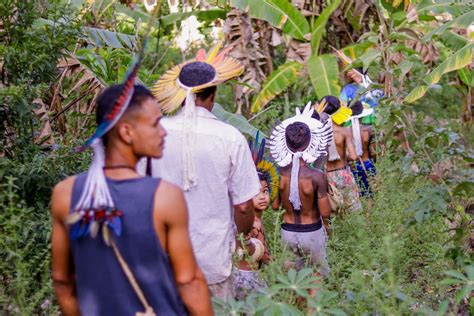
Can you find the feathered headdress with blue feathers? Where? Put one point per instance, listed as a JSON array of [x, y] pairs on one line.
[[95, 209], [267, 171]]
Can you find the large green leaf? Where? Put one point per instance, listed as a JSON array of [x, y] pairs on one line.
[[324, 74], [415, 94], [438, 6], [320, 25], [467, 76], [354, 51], [453, 40], [369, 56], [276, 83], [236, 120], [458, 60], [279, 13], [462, 21]]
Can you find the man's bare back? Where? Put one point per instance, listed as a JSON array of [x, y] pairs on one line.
[[344, 144], [312, 188]]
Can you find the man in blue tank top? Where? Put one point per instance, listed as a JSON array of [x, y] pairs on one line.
[[149, 264]]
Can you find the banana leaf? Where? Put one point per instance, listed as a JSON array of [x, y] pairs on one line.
[[236, 120], [320, 25], [415, 94], [279, 13], [462, 21], [458, 60], [324, 74], [354, 51], [467, 76], [276, 83]]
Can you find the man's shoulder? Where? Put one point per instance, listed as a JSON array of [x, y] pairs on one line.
[[64, 186], [61, 197], [224, 130]]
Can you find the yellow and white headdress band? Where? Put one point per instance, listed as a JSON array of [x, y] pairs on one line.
[[355, 125], [321, 135], [338, 117]]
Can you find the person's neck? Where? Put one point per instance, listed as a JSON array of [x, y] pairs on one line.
[[120, 164], [207, 106], [258, 214], [302, 162]]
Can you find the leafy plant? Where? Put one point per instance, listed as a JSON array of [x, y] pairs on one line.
[[276, 83]]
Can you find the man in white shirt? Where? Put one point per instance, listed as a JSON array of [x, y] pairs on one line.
[[226, 177], [210, 160]]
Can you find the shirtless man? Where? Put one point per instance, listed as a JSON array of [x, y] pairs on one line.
[[303, 189], [345, 195]]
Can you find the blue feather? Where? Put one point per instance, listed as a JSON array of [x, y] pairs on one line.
[[261, 151], [256, 141], [75, 230], [116, 225]]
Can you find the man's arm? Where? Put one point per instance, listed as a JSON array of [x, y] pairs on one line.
[[171, 210], [323, 199], [372, 145], [243, 185], [244, 217], [62, 270], [350, 148], [277, 202]]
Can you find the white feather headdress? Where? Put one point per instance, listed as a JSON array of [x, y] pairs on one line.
[[321, 135]]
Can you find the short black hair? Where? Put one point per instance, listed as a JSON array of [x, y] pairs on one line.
[[196, 74], [357, 108], [205, 93], [316, 115], [298, 136], [110, 95], [332, 104]]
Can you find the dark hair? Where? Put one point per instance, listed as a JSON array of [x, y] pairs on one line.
[[333, 104], [316, 115], [196, 73], [298, 136], [357, 108], [110, 95], [206, 93]]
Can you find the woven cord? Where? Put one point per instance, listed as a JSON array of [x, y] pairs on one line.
[[131, 278]]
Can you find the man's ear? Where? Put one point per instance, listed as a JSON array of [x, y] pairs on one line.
[[212, 97], [125, 132]]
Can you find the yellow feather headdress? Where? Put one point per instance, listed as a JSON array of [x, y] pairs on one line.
[[338, 117], [170, 91], [181, 83]]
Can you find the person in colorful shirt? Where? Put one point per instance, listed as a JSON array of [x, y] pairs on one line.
[[344, 193], [354, 90], [294, 144], [120, 242], [210, 160], [246, 276]]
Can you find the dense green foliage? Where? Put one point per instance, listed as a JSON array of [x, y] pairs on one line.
[[409, 251]]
